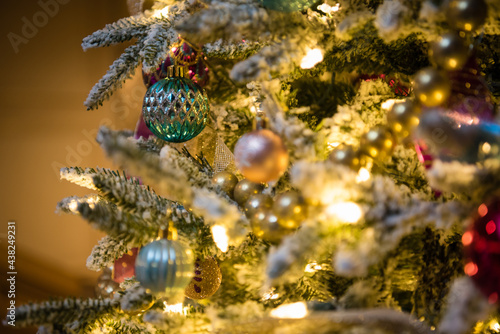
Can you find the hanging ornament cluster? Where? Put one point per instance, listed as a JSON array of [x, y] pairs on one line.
[[175, 109], [376, 144], [239, 191], [165, 267], [226, 181], [482, 250], [206, 281], [455, 98], [272, 220]]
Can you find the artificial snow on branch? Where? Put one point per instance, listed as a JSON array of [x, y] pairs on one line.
[[121, 31], [121, 70], [231, 21], [106, 252]]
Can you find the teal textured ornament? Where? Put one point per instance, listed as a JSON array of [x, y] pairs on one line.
[[287, 5], [175, 109], [164, 267]]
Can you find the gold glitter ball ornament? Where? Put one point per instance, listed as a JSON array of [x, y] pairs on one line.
[[256, 202], [206, 280], [346, 156], [467, 15], [449, 51], [403, 118], [432, 87], [244, 189], [265, 226], [226, 181], [378, 143], [261, 156], [290, 208]]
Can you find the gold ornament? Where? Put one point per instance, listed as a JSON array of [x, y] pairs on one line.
[[449, 51], [467, 15], [347, 156], [432, 87], [106, 286], [244, 189], [138, 309], [261, 156], [403, 118], [265, 225], [226, 181], [206, 280], [256, 202], [290, 209], [378, 143]]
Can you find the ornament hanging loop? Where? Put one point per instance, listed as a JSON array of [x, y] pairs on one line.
[[260, 121]]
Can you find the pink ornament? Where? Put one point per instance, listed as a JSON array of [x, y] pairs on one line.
[[142, 130], [150, 79], [186, 55], [469, 103], [482, 250], [470, 100], [125, 266]]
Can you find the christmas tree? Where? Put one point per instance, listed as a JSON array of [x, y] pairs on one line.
[[298, 166]]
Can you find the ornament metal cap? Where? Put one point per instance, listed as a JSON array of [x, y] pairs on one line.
[[177, 71], [171, 232], [260, 122]]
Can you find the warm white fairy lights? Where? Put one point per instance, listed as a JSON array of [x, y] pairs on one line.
[[175, 308], [221, 239], [313, 267], [312, 57], [290, 311], [346, 212], [363, 175], [270, 295], [161, 12], [327, 9]]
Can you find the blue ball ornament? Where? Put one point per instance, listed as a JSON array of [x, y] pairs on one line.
[[175, 109], [287, 5], [164, 267]]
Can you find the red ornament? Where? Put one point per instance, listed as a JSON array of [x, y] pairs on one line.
[[125, 266], [482, 250]]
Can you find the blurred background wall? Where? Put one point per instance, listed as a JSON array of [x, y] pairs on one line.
[[45, 78]]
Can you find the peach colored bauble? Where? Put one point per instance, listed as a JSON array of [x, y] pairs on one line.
[[261, 156]]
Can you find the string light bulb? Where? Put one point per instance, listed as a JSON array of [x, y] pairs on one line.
[[174, 308], [290, 311], [221, 238], [346, 212], [312, 57], [161, 12]]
